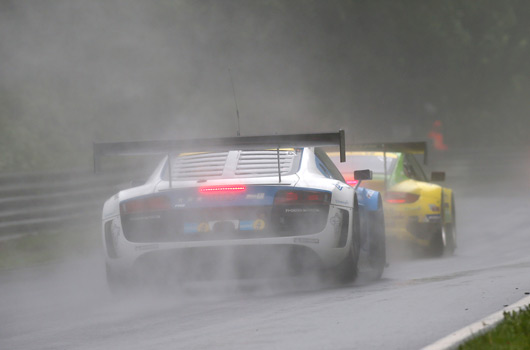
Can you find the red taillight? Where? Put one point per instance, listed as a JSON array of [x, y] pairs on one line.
[[148, 204], [315, 197], [401, 197], [285, 197], [222, 189], [301, 197]]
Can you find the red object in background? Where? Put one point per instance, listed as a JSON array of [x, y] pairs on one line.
[[352, 183], [437, 137]]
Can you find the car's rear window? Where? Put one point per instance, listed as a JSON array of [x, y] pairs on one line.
[[233, 164]]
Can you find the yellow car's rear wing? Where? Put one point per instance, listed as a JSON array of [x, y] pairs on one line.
[[404, 147], [226, 143]]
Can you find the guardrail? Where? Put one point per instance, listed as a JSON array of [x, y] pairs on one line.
[[33, 202]]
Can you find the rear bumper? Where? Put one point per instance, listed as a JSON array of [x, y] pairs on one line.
[[414, 223], [328, 247], [411, 230], [228, 262]]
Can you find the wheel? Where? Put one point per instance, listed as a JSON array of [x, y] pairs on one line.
[[450, 230], [437, 245], [377, 255], [444, 238], [347, 270]]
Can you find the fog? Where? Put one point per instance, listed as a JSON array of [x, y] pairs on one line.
[[73, 72], [77, 71]]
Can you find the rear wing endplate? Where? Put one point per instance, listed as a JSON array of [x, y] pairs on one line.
[[154, 147], [405, 147]]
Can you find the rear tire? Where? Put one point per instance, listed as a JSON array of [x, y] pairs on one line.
[[377, 257], [443, 236], [450, 230], [436, 247], [347, 270]]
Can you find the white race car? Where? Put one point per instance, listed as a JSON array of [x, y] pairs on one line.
[[243, 206]]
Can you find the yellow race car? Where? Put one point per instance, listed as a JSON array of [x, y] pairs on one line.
[[417, 209]]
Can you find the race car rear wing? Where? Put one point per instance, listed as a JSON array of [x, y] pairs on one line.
[[404, 147], [226, 143]]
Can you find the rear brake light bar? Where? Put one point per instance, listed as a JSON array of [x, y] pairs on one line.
[[222, 189]]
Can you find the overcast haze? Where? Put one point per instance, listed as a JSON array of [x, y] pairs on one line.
[[75, 71]]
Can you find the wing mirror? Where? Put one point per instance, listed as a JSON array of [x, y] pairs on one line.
[[362, 174], [438, 176]]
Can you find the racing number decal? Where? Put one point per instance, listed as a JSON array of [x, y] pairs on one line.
[[258, 225], [203, 227]]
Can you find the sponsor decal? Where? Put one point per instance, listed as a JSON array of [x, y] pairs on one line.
[[306, 240], [246, 225], [335, 220], [339, 187], [434, 207], [190, 227], [302, 210], [142, 248], [369, 194], [338, 201], [433, 218], [258, 225], [203, 227]]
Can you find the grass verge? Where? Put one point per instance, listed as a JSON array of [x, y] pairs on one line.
[[513, 333], [48, 246]]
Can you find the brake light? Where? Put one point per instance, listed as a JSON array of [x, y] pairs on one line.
[[401, 197], [148, 204], [222, 189], [301, 197], [285, 197]]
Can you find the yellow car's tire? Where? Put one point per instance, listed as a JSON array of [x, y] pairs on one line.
[[436, 247], [450, 231], [438, 241]]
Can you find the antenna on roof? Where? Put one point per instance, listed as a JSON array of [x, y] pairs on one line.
[[235, 101]]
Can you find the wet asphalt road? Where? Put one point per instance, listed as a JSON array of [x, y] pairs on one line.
[[418, 301]]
